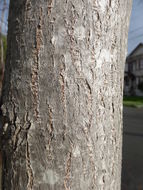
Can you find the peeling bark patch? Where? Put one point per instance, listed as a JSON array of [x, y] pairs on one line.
[[35, 68], [29, 169]]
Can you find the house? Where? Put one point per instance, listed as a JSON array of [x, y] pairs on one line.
[[133, 78]]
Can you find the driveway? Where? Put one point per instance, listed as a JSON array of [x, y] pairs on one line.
[[132, 169]]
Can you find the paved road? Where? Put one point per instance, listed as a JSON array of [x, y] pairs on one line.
[[132, 171]]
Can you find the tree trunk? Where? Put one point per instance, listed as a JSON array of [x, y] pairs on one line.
[[62, 94]]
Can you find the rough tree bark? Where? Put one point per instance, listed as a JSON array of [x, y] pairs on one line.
[[62, 94]]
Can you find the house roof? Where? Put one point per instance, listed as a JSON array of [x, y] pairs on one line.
[[139, 46]]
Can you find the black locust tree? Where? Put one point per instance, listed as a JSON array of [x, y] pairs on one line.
[[62, 94]]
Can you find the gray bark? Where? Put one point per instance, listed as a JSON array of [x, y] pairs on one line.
[[62, 94]]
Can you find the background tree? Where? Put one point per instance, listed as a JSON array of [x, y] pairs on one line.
[[3, 45], [62, 94], [3, 8]]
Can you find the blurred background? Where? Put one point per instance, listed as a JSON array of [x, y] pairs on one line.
[[132, 163], [132, 167], [4, 5]]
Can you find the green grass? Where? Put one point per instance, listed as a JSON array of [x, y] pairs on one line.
[[133, 101]]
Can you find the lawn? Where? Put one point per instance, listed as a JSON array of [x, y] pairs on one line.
[[133, 101]]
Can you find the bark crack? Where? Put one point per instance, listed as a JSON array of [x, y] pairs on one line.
[[50, 7], [15, 136], [67, 171], [90, 113], [68, 166], [29, 168], [91, 153], [35, 68], [63, 94], [50, 129], [28, 162]]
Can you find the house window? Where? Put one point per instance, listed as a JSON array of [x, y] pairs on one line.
[[130, 67], [134, 66], [137, 80], [141, 63], [126, 81], [126, 67], [141, 79], [137, 65]]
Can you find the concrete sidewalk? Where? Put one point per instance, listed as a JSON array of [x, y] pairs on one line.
[[132, 171], [133, 120]]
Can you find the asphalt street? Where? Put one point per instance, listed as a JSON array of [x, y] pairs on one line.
[[132, 167]]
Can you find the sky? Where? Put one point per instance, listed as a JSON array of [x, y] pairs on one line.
[[136, 25], [135, 29], [4, 23]]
